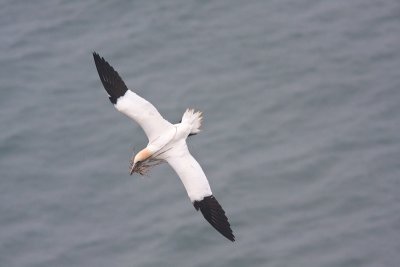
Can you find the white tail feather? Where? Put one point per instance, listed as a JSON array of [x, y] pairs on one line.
[[193, 119]]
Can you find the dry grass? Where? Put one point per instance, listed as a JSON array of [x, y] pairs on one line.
[[143, 167]]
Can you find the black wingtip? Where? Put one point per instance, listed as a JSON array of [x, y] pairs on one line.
[[96, 57], [110, 78], [215, 215]]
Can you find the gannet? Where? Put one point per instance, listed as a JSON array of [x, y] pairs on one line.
[[167, 143]]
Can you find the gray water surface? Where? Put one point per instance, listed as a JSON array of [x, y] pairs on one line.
[[300, 141]]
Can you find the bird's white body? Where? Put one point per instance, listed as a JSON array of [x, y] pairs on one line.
[[168, 141]]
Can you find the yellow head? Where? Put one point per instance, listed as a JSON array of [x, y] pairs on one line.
[[142, 155]]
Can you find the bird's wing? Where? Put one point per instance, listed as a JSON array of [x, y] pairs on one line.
[[198, 188], [129, 103]]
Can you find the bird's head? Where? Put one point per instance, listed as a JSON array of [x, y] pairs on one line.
[[143, 161], [142, 156]]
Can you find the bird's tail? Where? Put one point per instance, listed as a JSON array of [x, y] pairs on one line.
[[193, 119]]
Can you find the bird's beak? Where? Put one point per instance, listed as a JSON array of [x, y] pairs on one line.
[[134, 166]]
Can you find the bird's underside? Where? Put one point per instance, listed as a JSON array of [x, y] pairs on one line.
[[167, 143]]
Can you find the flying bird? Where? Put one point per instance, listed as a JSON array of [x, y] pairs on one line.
[[167, 143]]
